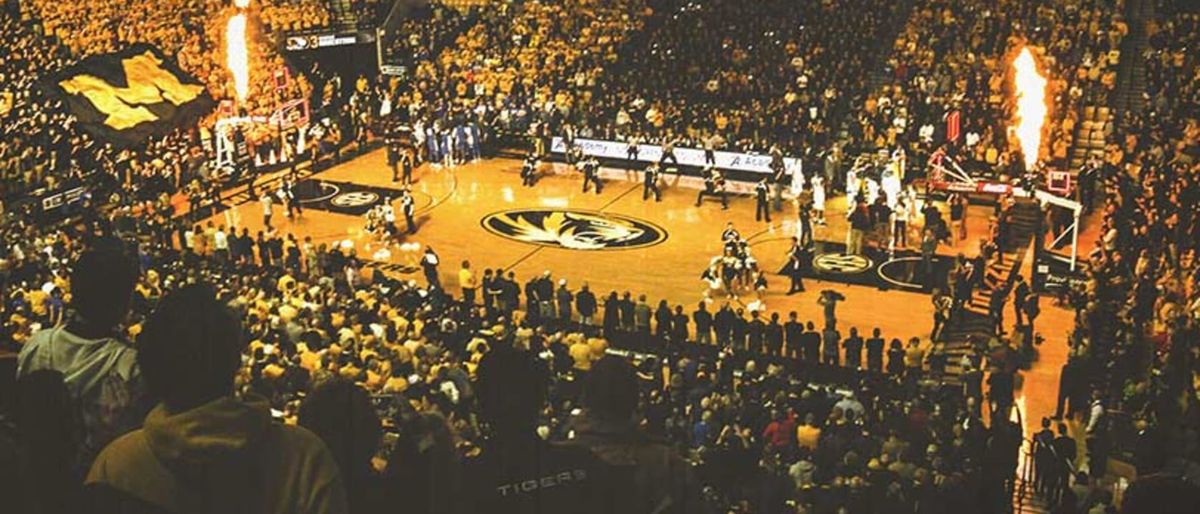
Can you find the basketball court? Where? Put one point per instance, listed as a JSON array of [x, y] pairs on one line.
[[616, 241]]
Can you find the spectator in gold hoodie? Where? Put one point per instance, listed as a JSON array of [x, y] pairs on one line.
[[201, 449]]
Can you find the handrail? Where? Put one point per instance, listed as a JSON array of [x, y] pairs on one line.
[[1029, 451]]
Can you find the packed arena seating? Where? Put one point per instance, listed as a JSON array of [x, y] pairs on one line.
[[955, 56], [528, 60], [42, 148], [1133, 313], [752, 75], [420, 36], [192, 31], [763, 428], [312, 314], [295, 15]]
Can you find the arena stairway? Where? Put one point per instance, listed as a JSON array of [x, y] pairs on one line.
[[1095, 126], [974, 321], [880, 73], [1026, 500], [1131, 73]]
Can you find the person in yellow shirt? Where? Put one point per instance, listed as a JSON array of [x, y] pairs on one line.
[[808, 434], [581, 353], [468, 283], [309, 360], [397, 383], [37, 301], [914, 355]]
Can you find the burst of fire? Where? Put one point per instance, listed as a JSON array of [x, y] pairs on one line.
[[237, 57], [1031, 106]]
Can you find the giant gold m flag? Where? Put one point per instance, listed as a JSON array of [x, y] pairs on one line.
[[129, 96]]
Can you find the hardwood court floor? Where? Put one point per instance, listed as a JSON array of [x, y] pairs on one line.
[[452, 201]]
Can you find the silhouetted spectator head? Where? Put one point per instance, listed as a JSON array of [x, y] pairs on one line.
[[611, 391], [190, 348], [512, 386], [102, 283], [341, 414]]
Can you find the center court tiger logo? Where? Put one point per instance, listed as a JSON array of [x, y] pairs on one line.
[[842, 263], [574, 229], [355, 199]]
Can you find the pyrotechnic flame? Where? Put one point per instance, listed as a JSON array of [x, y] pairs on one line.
[[1031, 106], [241, 4], [235, 49]]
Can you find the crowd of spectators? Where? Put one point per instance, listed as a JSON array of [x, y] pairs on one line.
[[191, 30], [526, 64], [1137, 311], [763, 420], [767, 422], [42, 147], [957, 57], [284, 16], [742, 76]]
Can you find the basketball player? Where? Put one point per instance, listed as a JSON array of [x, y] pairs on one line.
[[387, 215], [288, 193], [266, 201]]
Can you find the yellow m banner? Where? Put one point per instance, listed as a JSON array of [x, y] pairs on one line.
[[148, 84], [130, 95]]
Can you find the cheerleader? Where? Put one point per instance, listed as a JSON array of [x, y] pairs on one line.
[[387, 215], [760, 284], [900, 218], [712, 277], [729, 272], [730, 236], [749, 265], [373, 223]]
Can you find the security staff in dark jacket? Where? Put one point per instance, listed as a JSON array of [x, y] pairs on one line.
[[723, 324], [704, 324], [409, 209], [761, 208], [756, 333], [650, 183], [793, 332], [591, 170], [774, 336]]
